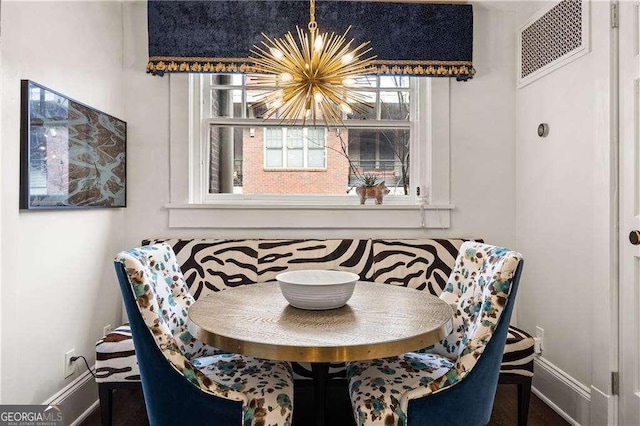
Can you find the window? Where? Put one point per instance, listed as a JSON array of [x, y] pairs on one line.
[[304, 148], [245, 154]]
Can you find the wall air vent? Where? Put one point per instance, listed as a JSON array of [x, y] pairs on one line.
[[552, 38]]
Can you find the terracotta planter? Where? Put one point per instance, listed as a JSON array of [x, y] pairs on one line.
[[376, 192]]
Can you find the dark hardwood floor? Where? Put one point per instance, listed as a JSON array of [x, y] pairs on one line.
[[129, 409]]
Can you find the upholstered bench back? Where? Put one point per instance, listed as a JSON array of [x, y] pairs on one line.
[[211, 265]]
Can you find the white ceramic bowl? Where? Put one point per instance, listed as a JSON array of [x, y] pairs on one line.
[[317, 289]]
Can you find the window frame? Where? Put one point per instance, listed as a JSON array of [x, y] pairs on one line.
[[432, 211], [420, 92]]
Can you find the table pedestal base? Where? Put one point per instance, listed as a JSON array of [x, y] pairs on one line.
[[320, 371]]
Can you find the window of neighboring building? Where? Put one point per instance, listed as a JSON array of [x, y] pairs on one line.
[[294, 148]]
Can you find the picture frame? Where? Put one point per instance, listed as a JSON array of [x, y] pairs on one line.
[[71, 155]]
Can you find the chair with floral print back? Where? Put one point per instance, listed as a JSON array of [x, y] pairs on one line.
[[184, 381], [454, 381]]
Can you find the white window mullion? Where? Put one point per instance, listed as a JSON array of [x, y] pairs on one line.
[[419, 152], [284, 148], [243, 113], [197, 108], [305, 148]]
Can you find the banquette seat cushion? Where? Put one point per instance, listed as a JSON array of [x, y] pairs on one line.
[[116, 357]]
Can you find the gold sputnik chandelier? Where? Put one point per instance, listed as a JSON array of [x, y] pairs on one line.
[[311, 80]]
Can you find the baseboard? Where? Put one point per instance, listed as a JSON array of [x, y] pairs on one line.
[[563, 393], [603, 408], [78, 399], [86, 413]]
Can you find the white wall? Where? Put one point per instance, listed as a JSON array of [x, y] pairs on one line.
[[483, 132], [564, 223], [59, 287], [489, 97]]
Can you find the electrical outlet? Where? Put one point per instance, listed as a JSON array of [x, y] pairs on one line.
[[107, 329], [68, 364], [539, 340]]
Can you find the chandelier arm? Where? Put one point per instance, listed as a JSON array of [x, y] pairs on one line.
[[335, 67], [260, 52], [354, 99], [354, 70], [275, 43], [267, 65], [309, 103], [271, 97], [305, 52], [326, 115], [331, 95], [296, 54], [332, 114], [299, 103], [268, 55], [267, 38], [357, 58], [362, 50], [314, 55], [346, 47], [356, 67], [278, 65], [292, 91], [264, 56], [329, 59], [333, 45], [290, 109], [293, 103], [339, 39], [309, 55]]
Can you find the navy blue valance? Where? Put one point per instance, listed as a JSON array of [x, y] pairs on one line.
[[215, 36]]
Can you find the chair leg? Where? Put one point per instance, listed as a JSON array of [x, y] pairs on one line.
[[524, 394], [105, 394]]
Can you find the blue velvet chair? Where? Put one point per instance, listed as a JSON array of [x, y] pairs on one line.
[[184, 381], [453, 382]]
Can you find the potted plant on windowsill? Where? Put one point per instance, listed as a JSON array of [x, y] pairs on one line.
[[366, 185], [370, 186]]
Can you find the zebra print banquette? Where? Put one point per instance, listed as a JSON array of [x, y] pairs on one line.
[[212, 265]]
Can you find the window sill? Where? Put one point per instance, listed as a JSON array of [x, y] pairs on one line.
[[261, 215]]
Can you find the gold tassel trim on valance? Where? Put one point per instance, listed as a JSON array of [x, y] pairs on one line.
[[160, 65]]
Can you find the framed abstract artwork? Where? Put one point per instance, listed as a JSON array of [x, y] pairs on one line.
[[71, 155]]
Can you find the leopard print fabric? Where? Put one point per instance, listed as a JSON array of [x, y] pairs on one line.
[[477, 290], [264, 387]]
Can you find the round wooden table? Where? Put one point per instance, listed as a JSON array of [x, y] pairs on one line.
[[380, 320]]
